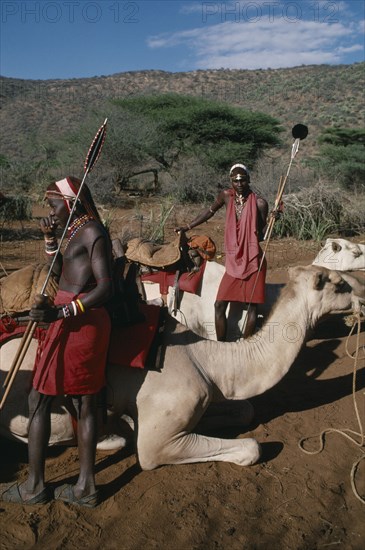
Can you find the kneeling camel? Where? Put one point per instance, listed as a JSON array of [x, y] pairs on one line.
[[167, 404]]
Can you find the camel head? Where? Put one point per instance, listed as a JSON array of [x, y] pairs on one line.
[[342, 255], [323, 290], [358, 290]]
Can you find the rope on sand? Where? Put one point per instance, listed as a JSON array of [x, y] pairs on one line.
[[355, 321]]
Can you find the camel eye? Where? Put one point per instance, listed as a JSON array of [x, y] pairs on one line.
[[336, 247]]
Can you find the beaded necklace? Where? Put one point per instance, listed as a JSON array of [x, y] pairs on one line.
[[76, 226], [239, 204]]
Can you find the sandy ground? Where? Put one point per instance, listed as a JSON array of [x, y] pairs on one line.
[[289, 500]]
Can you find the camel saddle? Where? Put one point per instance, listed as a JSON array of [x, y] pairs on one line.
[[18, 290], [151, 254]]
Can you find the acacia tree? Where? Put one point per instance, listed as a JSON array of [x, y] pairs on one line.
[[170, 128]]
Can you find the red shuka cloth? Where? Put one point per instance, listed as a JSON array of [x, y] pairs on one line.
[[130, 346], [241, 281], [241, 241], [242, 290], [73, 357]]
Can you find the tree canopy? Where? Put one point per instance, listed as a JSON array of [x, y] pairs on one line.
[[182, 125]]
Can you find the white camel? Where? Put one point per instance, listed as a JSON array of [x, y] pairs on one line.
[[166, 404], [196, 311], [342, 255]]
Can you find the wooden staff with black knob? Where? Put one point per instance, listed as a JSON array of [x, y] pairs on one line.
[[299, 132]]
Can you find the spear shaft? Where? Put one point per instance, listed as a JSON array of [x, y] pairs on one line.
[[88, 168], [299, 132], [91, 158]]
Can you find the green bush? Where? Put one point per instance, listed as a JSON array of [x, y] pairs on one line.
[[15, 208], [342, 155]]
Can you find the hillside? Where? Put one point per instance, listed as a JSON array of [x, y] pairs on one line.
[[34, 111]]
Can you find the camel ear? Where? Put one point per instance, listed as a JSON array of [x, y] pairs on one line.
[[335, 277], [319, 280], [356, 251]]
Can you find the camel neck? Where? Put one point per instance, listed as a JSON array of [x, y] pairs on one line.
[[243, 369]]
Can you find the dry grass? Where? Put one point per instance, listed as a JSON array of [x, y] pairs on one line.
[[318, 211]]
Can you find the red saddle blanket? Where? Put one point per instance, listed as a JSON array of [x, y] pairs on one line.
[[10, 328], [130, 346], [188, 282]]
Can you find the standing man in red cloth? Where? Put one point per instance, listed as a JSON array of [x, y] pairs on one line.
[[246, 215], [73, 357]]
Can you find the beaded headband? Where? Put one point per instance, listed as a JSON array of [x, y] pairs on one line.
[[67, 189], [240, 166], [66, 192]]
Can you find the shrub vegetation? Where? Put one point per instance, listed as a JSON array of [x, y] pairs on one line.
[[342, 157], [215, 132], [15, 208]]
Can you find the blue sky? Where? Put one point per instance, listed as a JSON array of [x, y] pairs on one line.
[[77, 38]]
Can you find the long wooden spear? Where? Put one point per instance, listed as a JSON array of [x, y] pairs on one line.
[[90, 161], [299, 132]]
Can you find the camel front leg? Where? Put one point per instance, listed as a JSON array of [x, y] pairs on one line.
[[197, 448]]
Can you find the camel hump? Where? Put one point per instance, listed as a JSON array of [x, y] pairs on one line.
[[19, 289]]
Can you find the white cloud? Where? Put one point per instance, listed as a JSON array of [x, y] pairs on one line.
[[361, 26], [349, 49], [263, 44]]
